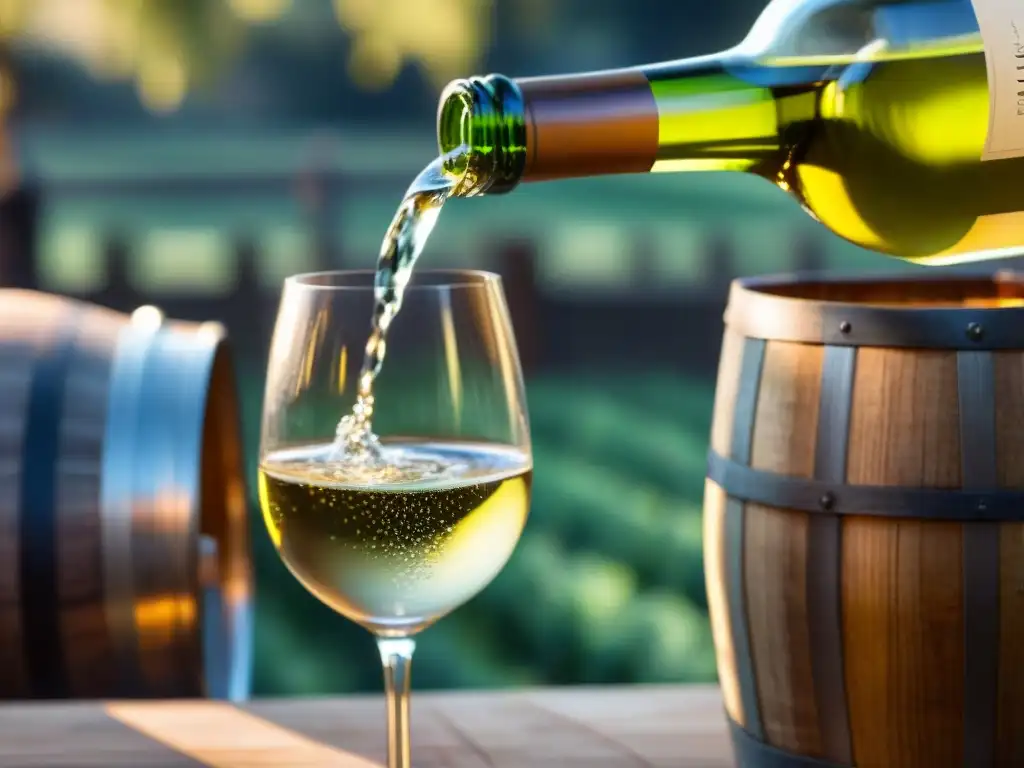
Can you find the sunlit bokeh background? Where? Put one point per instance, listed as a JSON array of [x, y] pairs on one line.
[[192, 153]]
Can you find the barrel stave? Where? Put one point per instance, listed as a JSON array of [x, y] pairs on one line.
[[1009, 435], [725, 392], [786, 420], [904, 422], [27, 332], [776, 549], [89, 655], [1010, 678], [903, 641], [776, 595], [717, 585], [903, 579], [924, 659], [90, 659]]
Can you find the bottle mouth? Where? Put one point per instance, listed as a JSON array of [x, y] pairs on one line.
[[481, 126]]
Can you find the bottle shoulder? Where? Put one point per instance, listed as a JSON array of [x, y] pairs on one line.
[[841, 31]]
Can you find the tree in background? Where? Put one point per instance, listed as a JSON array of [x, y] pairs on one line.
[[168, 47], [447, 38], [165, 46]]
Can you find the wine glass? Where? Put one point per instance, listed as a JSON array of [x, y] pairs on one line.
[[396, 539]]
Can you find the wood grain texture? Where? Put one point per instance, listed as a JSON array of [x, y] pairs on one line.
[[726, 390], [775, 549], [895, 637], [78, 736], [1009, 396], [902, 580], [902, 609], [715, 579], [216, 734], [786, 422], [677, 727], [776, 588], [904, 425], [630, 727]]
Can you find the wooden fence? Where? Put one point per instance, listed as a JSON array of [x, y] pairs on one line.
[[555, 328]]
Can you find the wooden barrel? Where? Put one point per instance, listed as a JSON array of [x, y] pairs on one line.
[[864, 522], [124, 550]]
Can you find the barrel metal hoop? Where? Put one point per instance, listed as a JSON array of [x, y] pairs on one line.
[[751, 753], [981, 588], [787, 492], [755, 312], [165, 528], [117, 498], [40, 598], [825, 556]]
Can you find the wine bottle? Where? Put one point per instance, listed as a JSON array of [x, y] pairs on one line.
[[899, 125]]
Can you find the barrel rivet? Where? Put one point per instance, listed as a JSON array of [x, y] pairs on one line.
[[827, 501], [975, 332], [845, 327]]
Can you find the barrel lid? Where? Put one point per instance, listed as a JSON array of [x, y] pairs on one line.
[[936, 310]]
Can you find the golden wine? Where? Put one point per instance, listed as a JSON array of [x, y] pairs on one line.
[[898, 124], [397, 544]]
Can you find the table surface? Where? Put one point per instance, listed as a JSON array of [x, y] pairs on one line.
[[678, 726]]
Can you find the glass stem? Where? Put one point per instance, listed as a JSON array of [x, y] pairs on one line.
[[396, 655]]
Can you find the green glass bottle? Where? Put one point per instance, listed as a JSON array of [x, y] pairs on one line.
[[899, 125]]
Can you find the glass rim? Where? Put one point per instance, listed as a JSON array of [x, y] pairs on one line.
[[435, 279]]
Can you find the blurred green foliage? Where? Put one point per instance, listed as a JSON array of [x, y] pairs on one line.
[[606, 585]]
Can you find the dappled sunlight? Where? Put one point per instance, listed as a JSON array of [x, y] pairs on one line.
[[445, 37], [221, 736], [165, 47], [169, 48]]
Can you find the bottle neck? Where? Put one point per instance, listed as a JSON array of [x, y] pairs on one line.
[[708, 113]]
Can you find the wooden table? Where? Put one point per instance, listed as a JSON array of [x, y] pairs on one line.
[[681, 727]]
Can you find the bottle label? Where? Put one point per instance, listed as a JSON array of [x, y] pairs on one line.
[[1001, 23]]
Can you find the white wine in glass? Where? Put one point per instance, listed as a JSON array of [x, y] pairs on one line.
[[397, 554], [417, 521]]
